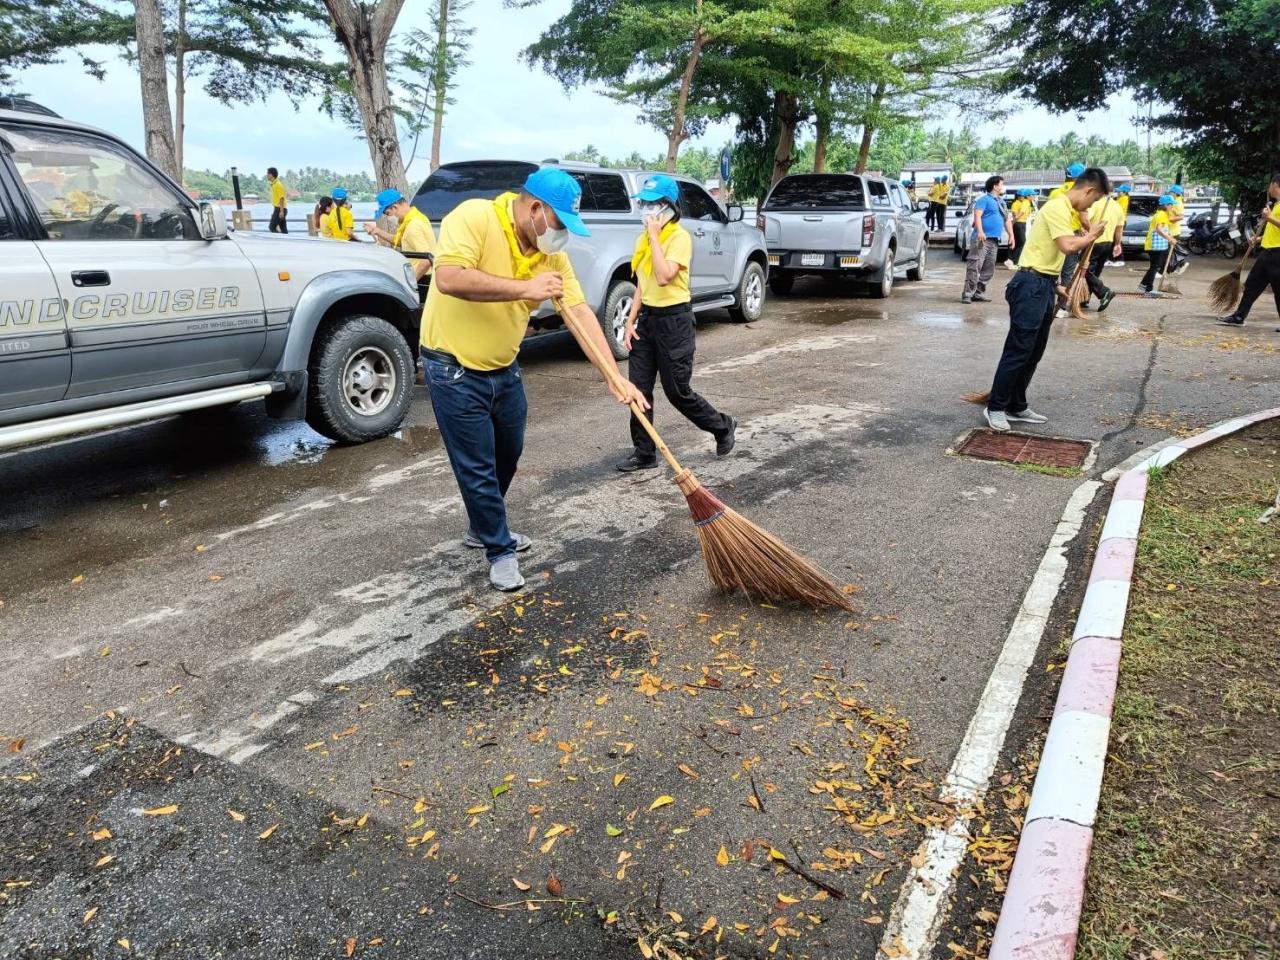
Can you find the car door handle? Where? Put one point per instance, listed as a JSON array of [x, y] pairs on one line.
[[699, 232], [90, 278]]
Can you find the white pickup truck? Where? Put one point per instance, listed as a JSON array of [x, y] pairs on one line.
[[122, 300]]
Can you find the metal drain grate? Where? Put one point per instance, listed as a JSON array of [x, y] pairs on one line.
[[984, 444]]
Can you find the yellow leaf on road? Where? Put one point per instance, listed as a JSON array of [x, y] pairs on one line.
[[235, 815], [722, 857], [688, 771], [90, 914], [520, 885], [103, 834], [104, 861], [161, 811], [78, 578], [479, 808], [618, 778], [403, 692], [708, 925], [662, 801], [269, 831]]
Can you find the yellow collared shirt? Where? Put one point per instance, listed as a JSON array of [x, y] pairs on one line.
[[1271, 233], [483, 336], [414, 235], [341, 224], [1057, 218], [279, 196], [1106, 211], [1062, 190], [677, 248]]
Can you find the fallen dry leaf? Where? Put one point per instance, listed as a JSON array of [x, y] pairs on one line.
[[688, 771], [16, 744], [235, 815], [269, 831], [554, 886], [104, 861], [161, 811], [722, 857], [350, 946], [90, 914], [662, 801], [103, 834], [521, 885]]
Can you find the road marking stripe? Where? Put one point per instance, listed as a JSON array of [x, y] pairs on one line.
[[921, 907]]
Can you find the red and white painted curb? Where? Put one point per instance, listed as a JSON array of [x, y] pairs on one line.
[[1041, 913]]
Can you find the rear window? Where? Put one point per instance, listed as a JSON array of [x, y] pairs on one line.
[[453, 183], [605, 192], [1142, 206], [816, 192]]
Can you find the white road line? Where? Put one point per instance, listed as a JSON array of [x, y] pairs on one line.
[[804, 345], [921, 908]]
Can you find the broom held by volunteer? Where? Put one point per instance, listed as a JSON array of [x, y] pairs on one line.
[[1266, 269]]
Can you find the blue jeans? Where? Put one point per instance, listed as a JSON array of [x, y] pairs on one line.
[[1031, 304], [481, 415]]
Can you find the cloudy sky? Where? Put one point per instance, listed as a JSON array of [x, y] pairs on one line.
[[504, 109]]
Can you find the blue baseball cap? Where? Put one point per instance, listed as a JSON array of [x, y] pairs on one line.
[[1176, 189], [561, 193], [1165, 200], [339, 193], [658, 187], [385, 199], [1075, 170], [1025, 191], [1124, 188]]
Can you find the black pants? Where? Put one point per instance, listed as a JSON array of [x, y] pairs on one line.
[[664, 349], [1031, 304], [1158, 260], [279, 223], [1097, 260], [1265, 270], [939, 212], [1019, 240]]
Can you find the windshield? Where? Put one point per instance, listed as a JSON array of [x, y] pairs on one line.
[[817, 191], [452, 183]]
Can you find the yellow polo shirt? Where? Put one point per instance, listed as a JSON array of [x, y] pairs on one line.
[[415, 233], [1158, 219], [1057, 218], [483, 336], [678, 248], [342, 223], [1062, 190], [1175, 226], [1270, 232], [1122, 202], [1021, 209], [1108, 211]]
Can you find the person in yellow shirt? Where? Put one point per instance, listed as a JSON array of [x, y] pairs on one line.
[[660, 326], [1266, 269], [1107, 213], [342, 223], [497, 260], [1020, 210], [1158, 242], [1177, 215], [279, 202], [1031, 296], [1122, 198], [321, 214], [413, 235], [1072, 171]]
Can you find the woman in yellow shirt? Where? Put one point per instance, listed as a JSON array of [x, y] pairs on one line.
[[1266, 269], [342, 223], [660, 326], [1021, 210], [323, 212]]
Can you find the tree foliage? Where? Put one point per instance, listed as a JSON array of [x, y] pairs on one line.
[[1207, 67], [39, 32]]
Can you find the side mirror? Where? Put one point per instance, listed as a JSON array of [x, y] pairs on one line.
[[213, 221], [736, 213]]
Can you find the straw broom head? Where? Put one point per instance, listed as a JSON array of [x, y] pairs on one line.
[[741, 557], [1224, 293], [980, 398]]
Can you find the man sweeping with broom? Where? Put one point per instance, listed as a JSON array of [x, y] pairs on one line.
[[1032, 294], [496, 260], [1265, 270]]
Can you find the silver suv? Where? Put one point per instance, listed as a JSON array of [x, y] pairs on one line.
[[122, 300], [729, 267], [842, 225]]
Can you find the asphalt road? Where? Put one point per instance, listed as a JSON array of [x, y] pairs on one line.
[[371, 752]]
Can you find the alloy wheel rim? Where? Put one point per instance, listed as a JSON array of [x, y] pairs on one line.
[[369, 381]]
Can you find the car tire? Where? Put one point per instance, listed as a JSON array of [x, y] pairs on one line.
[[917, 272], [955, 248], [613, 318], [360, 382], [748, 304], [881, 284], [782, 283]]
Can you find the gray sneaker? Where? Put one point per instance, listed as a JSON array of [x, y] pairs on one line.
[[997, 420], [504, 573], [1027, 416], [472, 542]]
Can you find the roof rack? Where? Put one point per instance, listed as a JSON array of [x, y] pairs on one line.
[[20, 104]]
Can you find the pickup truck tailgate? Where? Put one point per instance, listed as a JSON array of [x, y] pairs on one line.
[[813, 231]]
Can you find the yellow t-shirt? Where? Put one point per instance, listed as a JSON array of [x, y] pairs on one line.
[[1062, 190], [1021, 209], [1159, 218], [1176, 226], [483, 336], [342, 223], [1108, 211], [279, 197], [1122, 202], [678, 248], [1270, 232], [1057, 218], [414, 234]]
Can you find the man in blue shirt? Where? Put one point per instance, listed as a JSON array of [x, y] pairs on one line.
[[991, 224]]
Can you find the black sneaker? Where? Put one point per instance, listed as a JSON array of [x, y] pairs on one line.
[[1231, 320], [1106, 299], [981, 298], [726, 440], [636, 462]]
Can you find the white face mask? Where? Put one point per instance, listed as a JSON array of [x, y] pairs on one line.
[[550, 240], [660, 210]]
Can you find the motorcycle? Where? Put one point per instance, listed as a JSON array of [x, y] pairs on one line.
[[1205, 235]]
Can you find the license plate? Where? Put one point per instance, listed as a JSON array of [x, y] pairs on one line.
[[1233, 233], [812, 259], [1133, 238]]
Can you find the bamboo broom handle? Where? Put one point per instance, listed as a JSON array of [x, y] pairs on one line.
[[610, 371]]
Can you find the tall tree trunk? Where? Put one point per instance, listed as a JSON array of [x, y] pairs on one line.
[[180, 90], [677, 135], [869, 123], [822, 126], [365, 35], [440, 81], [787, 112], [157, 120]]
